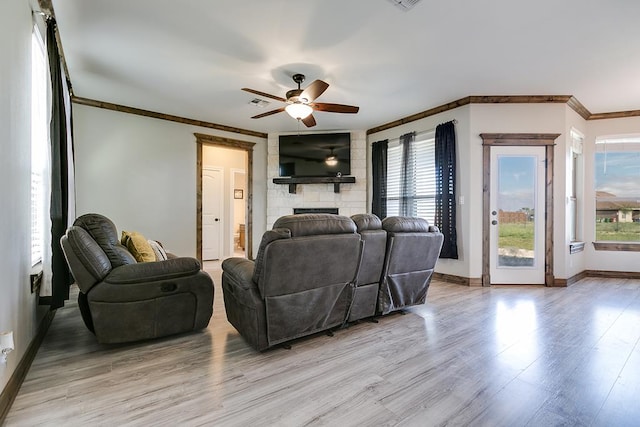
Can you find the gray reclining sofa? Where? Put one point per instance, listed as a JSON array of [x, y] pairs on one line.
[[314, 272], [122, 300]]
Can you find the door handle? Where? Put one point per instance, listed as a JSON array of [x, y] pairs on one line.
[[217, 219], [494, 222]]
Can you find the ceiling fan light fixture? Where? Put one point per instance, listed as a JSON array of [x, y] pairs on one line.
[[331, 160], [298, 110]]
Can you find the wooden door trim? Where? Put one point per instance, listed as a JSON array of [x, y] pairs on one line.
[[489, 140], [217, 141]]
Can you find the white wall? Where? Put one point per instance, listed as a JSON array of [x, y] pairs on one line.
[[228, 160], [351, 200], [604, 260], [472, 120], [523, 118], [18, 309], [141, 173]]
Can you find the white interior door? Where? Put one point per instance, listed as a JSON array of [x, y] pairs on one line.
[[517, 205], [212, 205]]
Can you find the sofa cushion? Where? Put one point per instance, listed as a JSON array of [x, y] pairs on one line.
[[138, 245], [405, 224], [85, 258], [366, 222], [315, 224], [104, 232], [268, 237]]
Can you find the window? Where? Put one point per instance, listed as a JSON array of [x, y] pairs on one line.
[[422, 190], [575, 181], [617, 188], [39, 146]]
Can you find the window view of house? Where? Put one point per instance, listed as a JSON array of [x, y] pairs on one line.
[[617, 186]]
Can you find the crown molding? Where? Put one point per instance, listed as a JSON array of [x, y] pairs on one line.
[[615, 115], [161, 116], [570, 100]]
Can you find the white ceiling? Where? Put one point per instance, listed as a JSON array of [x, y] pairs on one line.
[[190, 58]]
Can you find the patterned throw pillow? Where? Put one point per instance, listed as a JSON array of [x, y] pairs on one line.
[[161, 254]]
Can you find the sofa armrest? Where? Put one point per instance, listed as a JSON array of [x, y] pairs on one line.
[[153, 271], [239, 271]]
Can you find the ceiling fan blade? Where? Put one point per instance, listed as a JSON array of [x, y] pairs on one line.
[[309, 121], [268, 113], [266, 95], [314, 90], [334, 108]]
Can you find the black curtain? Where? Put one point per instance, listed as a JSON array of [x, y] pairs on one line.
[[445, 215], [379, 171], [407, 180], [61, 279]]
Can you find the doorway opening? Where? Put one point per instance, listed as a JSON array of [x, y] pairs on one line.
[[229, 228], [513, 260]]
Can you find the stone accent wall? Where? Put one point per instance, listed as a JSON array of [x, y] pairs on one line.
[[351, 200]]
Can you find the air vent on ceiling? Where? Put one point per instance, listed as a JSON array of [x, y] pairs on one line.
[[404, 4], [259, 102]]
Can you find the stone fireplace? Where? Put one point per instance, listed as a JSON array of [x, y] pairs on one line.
[[351, 200]]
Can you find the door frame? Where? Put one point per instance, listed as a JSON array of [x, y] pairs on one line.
[[517, 139], [217, 141]]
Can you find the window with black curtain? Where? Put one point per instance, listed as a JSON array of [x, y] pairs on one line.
[[416, 177]]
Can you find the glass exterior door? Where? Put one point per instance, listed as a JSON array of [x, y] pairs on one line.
[[517, 215]]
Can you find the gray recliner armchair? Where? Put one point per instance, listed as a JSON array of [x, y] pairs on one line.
[[122, 300], [413, 248], [300, 283]]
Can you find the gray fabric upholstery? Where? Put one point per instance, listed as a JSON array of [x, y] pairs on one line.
[[412, 251], [105, 234], [367, 222], [374, 237], [122, 300], [268, 237], [301, 283], [87, 261], [315, 224]]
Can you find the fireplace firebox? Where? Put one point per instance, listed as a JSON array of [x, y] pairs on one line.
[[333, 211]]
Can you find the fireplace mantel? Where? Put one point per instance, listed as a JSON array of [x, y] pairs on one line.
[[336, 181]]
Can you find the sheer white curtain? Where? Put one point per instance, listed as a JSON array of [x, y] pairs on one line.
[[40, 159]]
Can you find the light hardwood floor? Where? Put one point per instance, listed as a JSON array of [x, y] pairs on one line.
[[500, 356]]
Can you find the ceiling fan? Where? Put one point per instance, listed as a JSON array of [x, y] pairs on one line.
[[300, 102]]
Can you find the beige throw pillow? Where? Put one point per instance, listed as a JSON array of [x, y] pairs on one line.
[[138, 246]]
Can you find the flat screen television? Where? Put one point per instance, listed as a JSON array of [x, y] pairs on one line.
[[315, 155]]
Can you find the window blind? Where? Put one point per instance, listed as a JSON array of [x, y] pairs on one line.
[[422, 192]]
